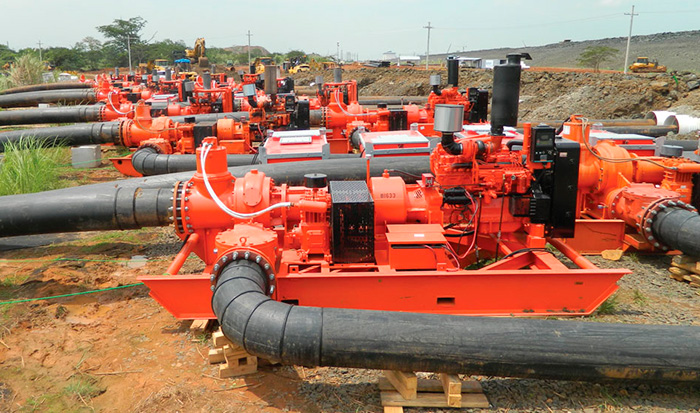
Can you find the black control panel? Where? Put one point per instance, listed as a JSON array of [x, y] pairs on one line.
[[542, 144]]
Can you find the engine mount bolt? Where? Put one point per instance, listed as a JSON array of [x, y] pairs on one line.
[[267, 266], [272, 277], [216, 267], [224, 258], [657, 245], [211, 288], [272, 289], [216, 250], [650, 238], [187, 208], [649, 221], [212, 278], [647, 229], [187, 198], [234, 256], [258, 259], [246, 255]]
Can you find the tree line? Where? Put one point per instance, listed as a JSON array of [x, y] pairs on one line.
[[93, 54]]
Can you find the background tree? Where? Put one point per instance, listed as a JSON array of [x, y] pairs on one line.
[[594, 56], [121, 35]]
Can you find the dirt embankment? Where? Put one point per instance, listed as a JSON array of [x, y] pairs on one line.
[[545, 95]]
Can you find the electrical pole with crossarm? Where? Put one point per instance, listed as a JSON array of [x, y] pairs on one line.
[[427, 53], [629, 37]]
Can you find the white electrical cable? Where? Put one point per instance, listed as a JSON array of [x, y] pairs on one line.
[[239, 215], [337, 100], [109, 95]]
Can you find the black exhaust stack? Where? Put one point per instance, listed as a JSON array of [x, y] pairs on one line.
[[453, 71], [506, 93]]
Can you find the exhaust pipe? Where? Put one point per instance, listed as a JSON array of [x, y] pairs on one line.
[[24, 99], [47, 86], [506, 94], [546, 349]]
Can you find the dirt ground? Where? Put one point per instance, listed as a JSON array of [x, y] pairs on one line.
[[118, 350]]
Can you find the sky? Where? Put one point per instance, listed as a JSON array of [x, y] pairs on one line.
[[364, 28]]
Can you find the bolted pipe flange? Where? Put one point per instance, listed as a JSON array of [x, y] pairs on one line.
[[243, 254]]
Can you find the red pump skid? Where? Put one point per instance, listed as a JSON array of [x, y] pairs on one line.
[[413, 266]]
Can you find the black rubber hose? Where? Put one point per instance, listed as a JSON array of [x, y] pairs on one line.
[[71, 211], [569, 350], [47, 86], [208, 117], [148, 162], [73, 114], [81, 134], [678, 229], [76, 96]]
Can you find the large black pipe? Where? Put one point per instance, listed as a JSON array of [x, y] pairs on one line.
[[76, 96], [506, 94], [81, 134], [109, 208], [148, 162], [104, 132], [47, 86], [311, 336], [653, 131], [74, 114], [34, 213], [678, 229]]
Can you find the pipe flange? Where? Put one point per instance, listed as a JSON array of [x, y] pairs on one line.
[[650, 215], [248, 255], [148, 145], [176, 209]]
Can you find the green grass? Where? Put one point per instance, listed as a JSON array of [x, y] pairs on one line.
[[639, 298], [29, 166], [609, 306], [86, 387]]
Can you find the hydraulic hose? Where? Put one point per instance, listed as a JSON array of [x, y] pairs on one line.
[[678, 229], [311, 336], [47, 86], [109, 208], [82, 134], [74, 114], [24, 99]]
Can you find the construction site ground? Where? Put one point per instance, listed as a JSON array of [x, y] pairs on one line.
[[118, 350]]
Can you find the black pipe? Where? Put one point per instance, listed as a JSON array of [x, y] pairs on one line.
[[208, 117], [81, 134], [652, 131], [148, 162], [311, 336], [449, 145], [678, 229], [74, 114], [47, 86], [110, 208], [505, 95], [19, 214], [453, 72], [686, 145], [76, 96]]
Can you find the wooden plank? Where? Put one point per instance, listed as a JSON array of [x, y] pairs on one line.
[[393, 409], [216, 356], [404, 382], [232, 352], [219, 339], [434, 386], [678, 274], [394, 398], [452, 386], [226, 370], [200, 326]]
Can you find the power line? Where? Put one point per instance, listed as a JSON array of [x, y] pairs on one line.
[[427, 53], [629, 37]]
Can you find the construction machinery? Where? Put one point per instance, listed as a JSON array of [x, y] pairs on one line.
[[197, 54], [646, 65], [260, 62], [312, 269]]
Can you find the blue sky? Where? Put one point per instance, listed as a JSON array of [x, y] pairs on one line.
[[364, 27]]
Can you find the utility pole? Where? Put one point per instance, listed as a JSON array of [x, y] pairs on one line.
[[40, 58], [337, 52], [427, 53], [249, 48], [629, 37], [128, 48]]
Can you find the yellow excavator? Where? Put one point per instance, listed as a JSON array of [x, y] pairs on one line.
[[646, 65], [197, 54], [261, 62]]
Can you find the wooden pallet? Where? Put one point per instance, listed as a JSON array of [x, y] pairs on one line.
[[201, 326], [404, 389], [232, 359], [687, 269]]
